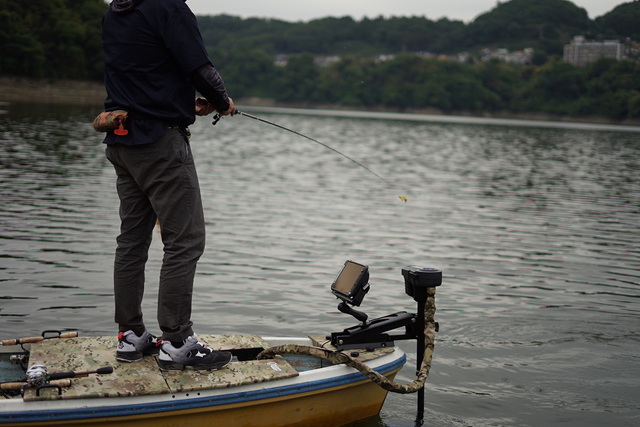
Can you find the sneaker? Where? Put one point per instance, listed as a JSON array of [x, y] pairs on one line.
[[193, 354], [131, 347]]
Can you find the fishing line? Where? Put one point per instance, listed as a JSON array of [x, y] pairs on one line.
[[217, 117]]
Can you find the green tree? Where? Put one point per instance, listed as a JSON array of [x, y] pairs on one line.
[[502, 80], [634, 105], [555, 88], [51, 38], [20, 52], [613, 88], [515, 22], [349, 81], [623, 21], [250, 71], [397, 80], [298, 79]]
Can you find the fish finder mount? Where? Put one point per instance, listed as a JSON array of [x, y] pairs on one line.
[[352, 284]]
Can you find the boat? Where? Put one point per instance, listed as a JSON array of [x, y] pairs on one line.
[[327, 380], [284, 390]]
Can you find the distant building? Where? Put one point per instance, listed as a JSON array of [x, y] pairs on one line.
[[325, 61], [582, 52], [281, 60], [519, 57], [632, 50]]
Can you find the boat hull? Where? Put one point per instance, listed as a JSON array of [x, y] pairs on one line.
[[329, 407], [327, 396]]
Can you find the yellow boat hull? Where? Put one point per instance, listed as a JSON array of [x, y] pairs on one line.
[[331, 407], [328, 396]]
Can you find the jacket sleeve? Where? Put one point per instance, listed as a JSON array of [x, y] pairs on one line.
[[209, 83]]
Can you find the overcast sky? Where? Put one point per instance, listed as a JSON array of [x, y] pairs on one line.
[[304, 10]]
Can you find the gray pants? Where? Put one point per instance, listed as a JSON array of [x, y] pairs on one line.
[[157, 182]]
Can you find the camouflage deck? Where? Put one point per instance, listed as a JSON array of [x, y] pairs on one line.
[[144, 377]]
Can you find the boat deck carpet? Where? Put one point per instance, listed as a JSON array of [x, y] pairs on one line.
[[144, 377]]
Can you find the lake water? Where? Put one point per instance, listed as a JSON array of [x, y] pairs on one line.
[[536, 228]]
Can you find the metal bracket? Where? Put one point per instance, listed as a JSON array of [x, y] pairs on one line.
[[374, 332]]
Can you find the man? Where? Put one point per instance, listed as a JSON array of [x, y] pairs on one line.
[[155, 59]]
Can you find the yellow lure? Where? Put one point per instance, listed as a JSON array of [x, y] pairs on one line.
[[404, 199]]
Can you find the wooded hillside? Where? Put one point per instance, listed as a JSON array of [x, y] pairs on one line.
[[393, 63]]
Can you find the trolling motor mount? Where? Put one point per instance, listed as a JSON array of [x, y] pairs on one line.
[[351, 285]]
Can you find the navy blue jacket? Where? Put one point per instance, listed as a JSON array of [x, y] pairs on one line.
[[150, 50]]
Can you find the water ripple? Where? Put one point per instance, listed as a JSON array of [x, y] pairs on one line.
[[536, 229]]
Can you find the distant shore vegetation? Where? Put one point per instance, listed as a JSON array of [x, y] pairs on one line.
[[396, 63]]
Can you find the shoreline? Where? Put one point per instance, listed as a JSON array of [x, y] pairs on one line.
[[91, 93], [23, 90]]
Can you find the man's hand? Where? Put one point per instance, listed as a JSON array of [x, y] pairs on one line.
[[231, 111], [203, 107]]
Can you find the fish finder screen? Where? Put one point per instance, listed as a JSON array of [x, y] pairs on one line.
[[348, 277]]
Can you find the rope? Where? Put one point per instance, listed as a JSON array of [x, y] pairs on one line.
[[340, 357]]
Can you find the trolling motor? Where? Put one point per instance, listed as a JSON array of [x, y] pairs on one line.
[[352, 284]]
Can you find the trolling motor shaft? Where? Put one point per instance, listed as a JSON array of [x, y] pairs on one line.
[[420, 283]]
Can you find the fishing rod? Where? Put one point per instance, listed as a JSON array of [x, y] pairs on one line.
[[217, 117], [46, 335], [317, 142], [38, 376]]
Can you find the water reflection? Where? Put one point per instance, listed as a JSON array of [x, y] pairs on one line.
[[48, 140]]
